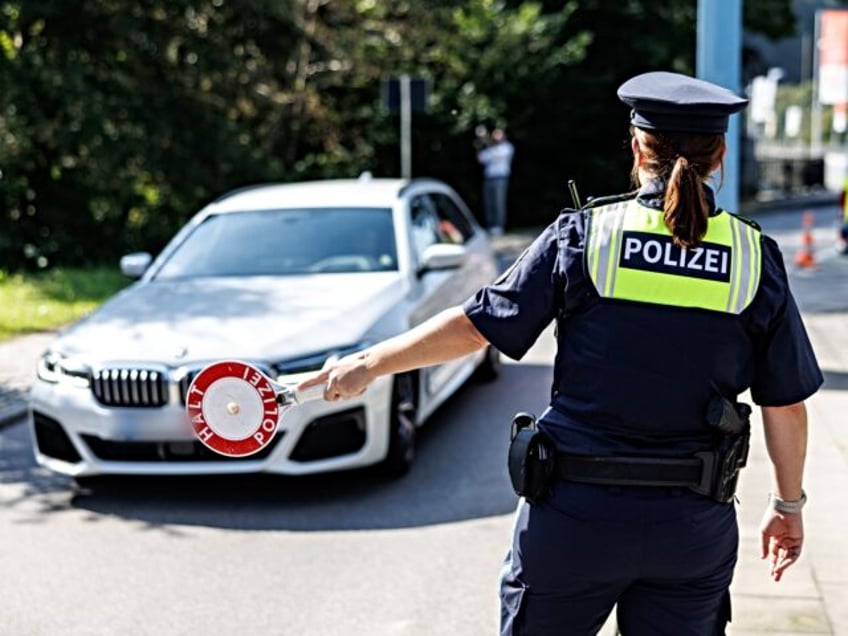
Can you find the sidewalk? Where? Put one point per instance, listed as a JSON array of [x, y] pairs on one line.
[[813, 596], [18, 358]]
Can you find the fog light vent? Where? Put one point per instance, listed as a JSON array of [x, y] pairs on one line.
[[52, 439]]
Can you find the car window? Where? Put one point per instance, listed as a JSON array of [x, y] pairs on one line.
[[287, 242], [437, 219], [425, 224], [454, 223]]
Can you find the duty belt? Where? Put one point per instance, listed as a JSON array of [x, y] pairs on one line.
[[534, 463], [692, 472]]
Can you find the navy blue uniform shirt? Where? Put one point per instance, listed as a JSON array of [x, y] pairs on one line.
[[635, 378]]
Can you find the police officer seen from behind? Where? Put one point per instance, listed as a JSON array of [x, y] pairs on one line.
[[667, 309]]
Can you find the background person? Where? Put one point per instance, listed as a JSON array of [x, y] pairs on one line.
[[496, 158], [665, 306]]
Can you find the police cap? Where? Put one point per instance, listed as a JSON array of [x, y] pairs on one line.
[[678, 103]]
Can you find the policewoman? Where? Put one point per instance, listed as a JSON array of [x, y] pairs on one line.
[[667, 309]]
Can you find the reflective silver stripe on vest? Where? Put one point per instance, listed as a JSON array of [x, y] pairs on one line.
[[745, 266], [739, 265], [605, 240], [756, 255]]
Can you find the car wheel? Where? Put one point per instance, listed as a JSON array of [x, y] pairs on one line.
[[490, 368], [401, 427]]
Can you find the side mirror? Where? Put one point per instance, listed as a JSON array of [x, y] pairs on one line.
[[134, 265], [442, 256]]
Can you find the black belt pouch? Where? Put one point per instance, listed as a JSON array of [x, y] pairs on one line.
[[532, 457]]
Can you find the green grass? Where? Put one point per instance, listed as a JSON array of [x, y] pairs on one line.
[[32, 303]]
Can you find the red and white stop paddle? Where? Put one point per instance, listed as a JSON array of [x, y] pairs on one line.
[[235, 409]]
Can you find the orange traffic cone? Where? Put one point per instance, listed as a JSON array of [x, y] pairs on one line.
[[805, 256]]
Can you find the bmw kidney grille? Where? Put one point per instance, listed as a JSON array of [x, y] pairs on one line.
[[130, 387]]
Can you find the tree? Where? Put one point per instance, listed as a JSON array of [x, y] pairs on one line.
[[119, 120]]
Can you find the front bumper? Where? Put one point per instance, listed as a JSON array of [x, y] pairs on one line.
[[74, 434]]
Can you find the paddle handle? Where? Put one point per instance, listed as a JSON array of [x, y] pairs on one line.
[[306, 395]]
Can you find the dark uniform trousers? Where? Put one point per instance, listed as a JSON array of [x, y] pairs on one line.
[[664, 555]]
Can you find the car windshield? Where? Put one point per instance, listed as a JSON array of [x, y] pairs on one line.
[[287, 242]]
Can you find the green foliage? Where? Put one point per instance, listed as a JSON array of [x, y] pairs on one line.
[[119, 120], [43, 301], [772, 18]]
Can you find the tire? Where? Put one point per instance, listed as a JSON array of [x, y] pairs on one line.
[[402, 429], [490, 368]]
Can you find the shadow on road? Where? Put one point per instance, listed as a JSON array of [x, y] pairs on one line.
[[459, 474]]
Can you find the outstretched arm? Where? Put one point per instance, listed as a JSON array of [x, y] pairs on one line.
[[782, 533], [443, 337]]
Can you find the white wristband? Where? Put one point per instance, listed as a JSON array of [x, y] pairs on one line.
[[781, 505]]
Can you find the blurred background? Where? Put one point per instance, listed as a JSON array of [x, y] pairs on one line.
[[119, 120]]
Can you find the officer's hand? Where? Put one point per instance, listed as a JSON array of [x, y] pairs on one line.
[[344, 378], [782, 539]]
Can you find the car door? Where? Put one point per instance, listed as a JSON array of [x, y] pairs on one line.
[[480, 267], [435, 218]]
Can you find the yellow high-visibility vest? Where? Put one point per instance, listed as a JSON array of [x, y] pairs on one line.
[[630, 255]]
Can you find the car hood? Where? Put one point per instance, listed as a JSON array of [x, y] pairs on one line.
[[262, 318]]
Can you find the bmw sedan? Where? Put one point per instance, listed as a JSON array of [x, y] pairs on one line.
[[281, 277]]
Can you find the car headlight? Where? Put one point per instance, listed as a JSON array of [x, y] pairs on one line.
[[292, 369], [55, 368]]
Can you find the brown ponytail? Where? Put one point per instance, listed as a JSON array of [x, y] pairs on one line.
[[685, 161]]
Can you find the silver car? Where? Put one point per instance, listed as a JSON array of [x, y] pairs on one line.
[[282, 277]]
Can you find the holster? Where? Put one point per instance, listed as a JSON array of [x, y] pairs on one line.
[[720, 476], [532, 459]]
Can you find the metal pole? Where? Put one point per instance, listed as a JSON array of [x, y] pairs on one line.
[[718, 59], [405, 127], [815, 105]]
